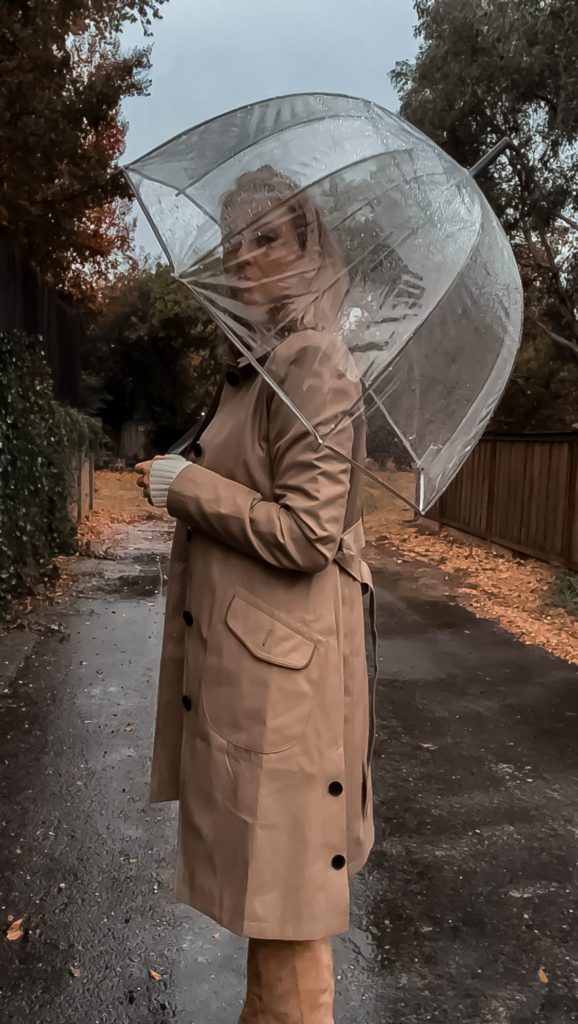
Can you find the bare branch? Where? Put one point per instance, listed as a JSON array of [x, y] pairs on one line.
[[568, 220], [549, 253], [557, 338], [538, 257]]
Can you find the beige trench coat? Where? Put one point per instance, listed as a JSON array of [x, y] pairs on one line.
[[262, 718]]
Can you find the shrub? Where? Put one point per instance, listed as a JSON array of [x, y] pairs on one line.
[[39, 441], [565, 592]]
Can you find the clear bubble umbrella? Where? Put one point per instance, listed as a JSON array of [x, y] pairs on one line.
[[327, 218]]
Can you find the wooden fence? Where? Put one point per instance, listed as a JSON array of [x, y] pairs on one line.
[[81, 495], [520, 492], [28, 304]]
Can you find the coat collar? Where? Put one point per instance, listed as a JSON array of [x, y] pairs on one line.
[[239, 371]]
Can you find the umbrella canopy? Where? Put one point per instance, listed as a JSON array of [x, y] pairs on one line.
[[329, 214]]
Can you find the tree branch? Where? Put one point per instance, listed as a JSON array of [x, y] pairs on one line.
[[557, 338], [548, 102], [568, 220], [549, 253], [538, 258]]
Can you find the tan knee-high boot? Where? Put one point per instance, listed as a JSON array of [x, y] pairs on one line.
[[289, 983]]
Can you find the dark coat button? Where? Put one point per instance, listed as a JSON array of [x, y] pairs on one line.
[[198, 449], [188, 618], [232, 378], [187, 702], [189, 533], [338, 862], [335, 789]]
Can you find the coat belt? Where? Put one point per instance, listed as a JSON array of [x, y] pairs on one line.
[[348, 557]]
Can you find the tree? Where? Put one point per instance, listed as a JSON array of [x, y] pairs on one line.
[[62, 80], [490, 68], [154, 355]]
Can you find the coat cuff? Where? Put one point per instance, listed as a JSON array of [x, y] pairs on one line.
[[162, 473]]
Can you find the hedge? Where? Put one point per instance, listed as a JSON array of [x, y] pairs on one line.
[[39, 440]]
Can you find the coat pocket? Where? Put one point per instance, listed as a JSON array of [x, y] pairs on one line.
[[257, 683]]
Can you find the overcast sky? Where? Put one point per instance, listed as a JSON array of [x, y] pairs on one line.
[[210, 57]]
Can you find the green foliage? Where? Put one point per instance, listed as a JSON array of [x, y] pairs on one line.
[[541, 395], [154, 354], [62, 80], [508, 67], [39, 438], [502, 67], [565, 592]]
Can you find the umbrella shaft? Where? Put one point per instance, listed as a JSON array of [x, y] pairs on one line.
[[487, 160]]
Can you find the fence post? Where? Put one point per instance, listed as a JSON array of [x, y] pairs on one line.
[[75, 489], [570, 557], [91, 501], [439, 509], [491, 499]]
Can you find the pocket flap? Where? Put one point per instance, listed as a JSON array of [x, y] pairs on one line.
[[267, 638]]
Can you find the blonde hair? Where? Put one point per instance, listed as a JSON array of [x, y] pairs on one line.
[[326, 280]]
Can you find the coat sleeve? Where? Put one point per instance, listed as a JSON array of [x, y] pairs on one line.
[[301, 528]]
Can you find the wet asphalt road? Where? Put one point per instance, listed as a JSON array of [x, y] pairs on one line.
[[471, 890]]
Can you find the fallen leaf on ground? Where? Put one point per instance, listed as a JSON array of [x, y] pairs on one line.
[[493, 584], [15, 930], [155, 974], [543, 977]]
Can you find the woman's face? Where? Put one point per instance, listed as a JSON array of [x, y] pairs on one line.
[[263, 261]]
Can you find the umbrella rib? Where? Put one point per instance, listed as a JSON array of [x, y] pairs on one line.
[[436, 305], [181, 192], [245, 106], [303, 419], [373, 476], [270, 135], [152, 224], [304, 188]]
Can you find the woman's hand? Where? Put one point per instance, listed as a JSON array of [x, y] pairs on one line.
[[143, 479]]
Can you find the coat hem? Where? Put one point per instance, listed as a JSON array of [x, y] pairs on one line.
[[262, 930], [157, 799]]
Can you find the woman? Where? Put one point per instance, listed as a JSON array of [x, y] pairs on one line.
[[262, 729]]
